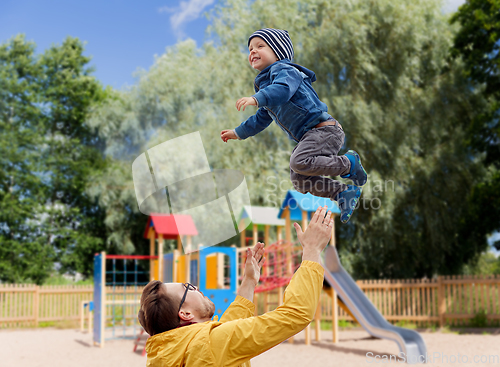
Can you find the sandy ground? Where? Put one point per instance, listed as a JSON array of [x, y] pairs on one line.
[[68, 348]]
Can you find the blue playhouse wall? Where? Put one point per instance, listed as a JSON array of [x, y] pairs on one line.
[[222, 298]]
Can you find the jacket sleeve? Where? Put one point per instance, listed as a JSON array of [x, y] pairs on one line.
[[236, 342], [254, 124], [284, 84], [240, 308]]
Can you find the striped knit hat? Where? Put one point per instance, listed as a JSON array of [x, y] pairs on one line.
[[278, 40]]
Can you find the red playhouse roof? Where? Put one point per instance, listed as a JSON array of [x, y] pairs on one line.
[[170, 226]]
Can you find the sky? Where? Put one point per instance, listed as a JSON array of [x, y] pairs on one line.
[[121, 36]]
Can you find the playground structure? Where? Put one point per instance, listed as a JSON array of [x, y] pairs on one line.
[[118, 282], [217, 271]]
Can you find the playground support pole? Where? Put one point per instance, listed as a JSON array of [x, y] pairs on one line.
[[220, 270], [335, 309], [280, 289], [179, 243], [151, 253], [288, 238], [255, 234], [266, 294], [308, 327], [103, 298], [174, 266], [188, 259], [198, 249], [332, 239], [242, 235], [317, 321], [266, 234], [160, 257]]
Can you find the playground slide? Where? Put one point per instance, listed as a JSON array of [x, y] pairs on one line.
[[410, 342]]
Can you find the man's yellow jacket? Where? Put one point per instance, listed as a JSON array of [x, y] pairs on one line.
[[239, 335]]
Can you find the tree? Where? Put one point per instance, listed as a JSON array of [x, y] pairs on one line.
[[72, 154], [22, 255], [49, 155], [477, 42], [384, 72], [487, 264]]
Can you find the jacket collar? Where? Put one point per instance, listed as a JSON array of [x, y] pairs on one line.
[[264, 74], [186, 324]]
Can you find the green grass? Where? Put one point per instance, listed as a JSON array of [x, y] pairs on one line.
[[406, 324], [434, 328], [62, 324], [479, 320], [327, 325], [446, 330], [44, 324], [58, 279]]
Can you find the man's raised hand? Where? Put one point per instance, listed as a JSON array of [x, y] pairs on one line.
[[255, 260], [317, 234]]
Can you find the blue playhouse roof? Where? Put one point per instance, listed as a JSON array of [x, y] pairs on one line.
[[308, 202]]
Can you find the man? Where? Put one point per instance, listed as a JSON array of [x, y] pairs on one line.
[[178, 317]]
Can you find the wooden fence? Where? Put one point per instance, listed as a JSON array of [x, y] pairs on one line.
[[27, 305], [450, 300], [442, 301]]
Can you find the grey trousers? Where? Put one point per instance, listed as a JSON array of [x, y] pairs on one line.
[[316, 156]]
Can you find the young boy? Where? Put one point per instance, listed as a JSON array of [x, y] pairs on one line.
[[284, 94]]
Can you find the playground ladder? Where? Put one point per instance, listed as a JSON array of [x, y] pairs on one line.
[[142, 336]]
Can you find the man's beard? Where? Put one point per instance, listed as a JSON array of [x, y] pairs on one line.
[[208, 310]]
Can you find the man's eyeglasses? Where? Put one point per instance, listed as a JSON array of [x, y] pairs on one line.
[[188, 287]]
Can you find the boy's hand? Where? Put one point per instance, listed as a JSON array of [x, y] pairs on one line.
[[225, 135], [245, 101]]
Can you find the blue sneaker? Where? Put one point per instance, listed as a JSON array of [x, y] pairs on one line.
[[357, 173], [347, 201]]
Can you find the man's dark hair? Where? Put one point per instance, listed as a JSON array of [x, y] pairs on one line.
[[158, 312]]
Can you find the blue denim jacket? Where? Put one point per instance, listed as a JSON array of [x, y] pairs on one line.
[[285, 95]]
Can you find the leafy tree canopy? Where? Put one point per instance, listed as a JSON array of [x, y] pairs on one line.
[[477, 42], [48, 153]]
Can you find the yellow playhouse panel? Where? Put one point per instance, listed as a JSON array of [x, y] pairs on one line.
[[211, 271], [181, 269], [155, 269]]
